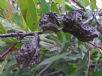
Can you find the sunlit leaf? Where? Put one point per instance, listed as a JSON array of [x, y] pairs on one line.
[[93, 4], [86, 2], [2, 29], [68, 6], [59, 1], [3, 4], [54, 7], [8, 12], [80, 3], [29, 11]]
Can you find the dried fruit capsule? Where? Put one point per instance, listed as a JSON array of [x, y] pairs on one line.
[[73, 23], [50, 22], [28, 53]]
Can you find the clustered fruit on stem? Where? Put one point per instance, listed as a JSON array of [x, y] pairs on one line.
[[74, 22]]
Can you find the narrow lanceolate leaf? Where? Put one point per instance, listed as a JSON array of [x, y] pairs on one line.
[[44, 6], [54, 7], [80, 3], [2, 29], [8, 12], [2, 65], [93, 4], [52, 59], [17, 18], [68, 6], [61, 37], [29, 11]]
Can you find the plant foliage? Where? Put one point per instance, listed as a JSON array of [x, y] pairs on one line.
[[51, 38]]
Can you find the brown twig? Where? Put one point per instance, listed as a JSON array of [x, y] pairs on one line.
[[7, 51], [97, 13], [88, 20], [19, 34], [97, 46]]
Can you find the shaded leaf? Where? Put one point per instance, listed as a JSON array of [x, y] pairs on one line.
[[2, 65], [97, 73], [71, 69], [52, 59], [61, 37], [17, 19]]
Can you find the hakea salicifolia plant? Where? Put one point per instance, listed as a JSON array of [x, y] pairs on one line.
[[75, 23]]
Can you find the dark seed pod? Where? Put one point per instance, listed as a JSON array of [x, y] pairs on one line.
[[50, 22], [28, 54], [74, 23]]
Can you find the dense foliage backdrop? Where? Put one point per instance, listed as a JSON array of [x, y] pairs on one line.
[[61, 53]]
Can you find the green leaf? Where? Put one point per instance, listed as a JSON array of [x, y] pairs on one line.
[[11, 63], [71, 69], [54, 7], [52, 59], [97, 73], [9, 26], [59, 1], [61, 36], [23, 7], [2, 44], [16, 18], [68, 36], [2, 29], [2, 13], [29, 11], [81, 3], [100, 38], [68, 6], [44, 6], [86, 2], [3, 4], [2, 65], [93, 4]]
